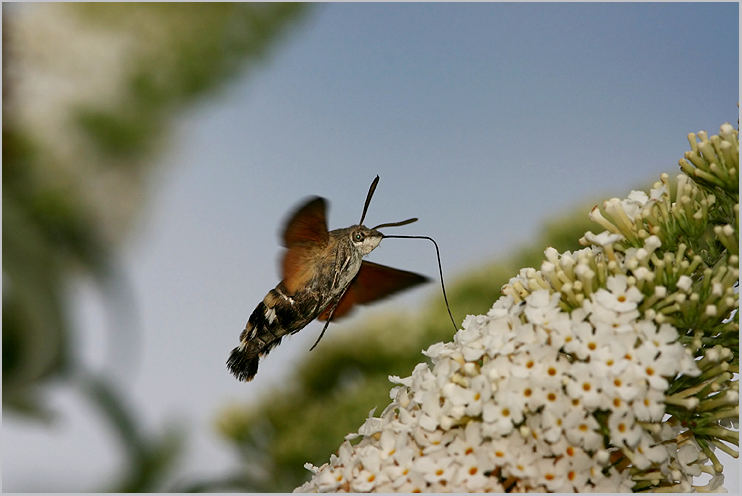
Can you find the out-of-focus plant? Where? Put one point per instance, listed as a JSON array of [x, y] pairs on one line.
[[609, 369], [89, 91]]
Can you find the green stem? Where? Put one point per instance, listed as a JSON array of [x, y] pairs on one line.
[[726, 449]]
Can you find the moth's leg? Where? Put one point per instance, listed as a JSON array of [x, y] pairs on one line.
[[329, 317]]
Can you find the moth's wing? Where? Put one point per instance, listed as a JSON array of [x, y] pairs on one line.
[[373, 283], [304, 236], [308, 224]]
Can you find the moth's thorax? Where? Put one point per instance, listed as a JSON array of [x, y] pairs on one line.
[[342, 260]]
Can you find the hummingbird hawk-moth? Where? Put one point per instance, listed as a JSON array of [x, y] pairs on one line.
[[324, 277]]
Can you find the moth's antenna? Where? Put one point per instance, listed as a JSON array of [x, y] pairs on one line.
[[371, 190], [440, 270], [393, 224]]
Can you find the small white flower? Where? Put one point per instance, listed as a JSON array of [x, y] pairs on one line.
[[435, 467], [388, 443], [650, 406], [542, 307], [623, 429], [471, 344], [558, 330], [582, 341], [582, 430], [404, 454], [648, 452], [688, 456], [497, 368], [578, 476], [617, 404], [422, 378], [654, 366], [327, 480], [644, 274], [481, 391], [370, 426], [620, 297], [601, 316], [435, 350], [471, 470], [684, 283], [658, 192], [628, 385], [553, 474], [431, 410], [364, 482], [413, 481], [613, 483], [407, 381], [550, 425], [583, 386], [610, 361], [634, 203], [370, 457], [522, 461], [499, 338], [552, 255], [604, 238], [663, 335], [500, 414], [456, 395]]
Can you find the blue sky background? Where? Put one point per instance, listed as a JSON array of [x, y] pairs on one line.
[[481, 119]]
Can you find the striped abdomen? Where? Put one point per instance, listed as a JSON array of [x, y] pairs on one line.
[[273, 318]]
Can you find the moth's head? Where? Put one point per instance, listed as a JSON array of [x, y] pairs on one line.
[[364, 239]]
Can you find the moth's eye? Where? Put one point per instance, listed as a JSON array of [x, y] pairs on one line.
[[358, 236]]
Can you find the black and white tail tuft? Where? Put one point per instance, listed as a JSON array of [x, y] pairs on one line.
[[262, 333], [243, 362]]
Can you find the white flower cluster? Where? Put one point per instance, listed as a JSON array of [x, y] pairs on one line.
[[515, 403], [565, 384]]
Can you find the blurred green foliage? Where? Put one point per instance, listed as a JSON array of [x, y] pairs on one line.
[[335, 387], [149, 456], [198, 46], [63, 215]]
